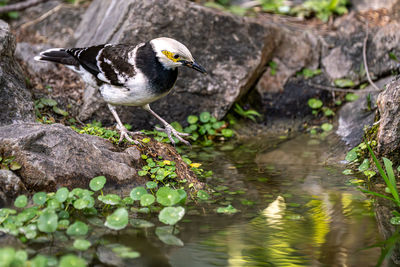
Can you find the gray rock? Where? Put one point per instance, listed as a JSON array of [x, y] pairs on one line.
[[354, 116], [15, 100], [27, 51], [388, 136], [10, 185], [54, 155], [234, 50], [365, 5]]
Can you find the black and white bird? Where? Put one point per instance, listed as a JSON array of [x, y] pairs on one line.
[[129, 75]]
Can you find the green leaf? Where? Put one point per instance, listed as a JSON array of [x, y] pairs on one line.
[[327, 127], [39, 198], [48, 221], [110, 199], [350, 97], [227, 210], [314, 103], [347, 172], [81, 244], [48, 102], [151, 185], [192, 119], [81, 203], [205, 117], [7, 255], [138, 192], [15, 166], [97, 183], [21, 201], [39, 261], [77, 228], [62, 194], [203, 195], [147, 200], [167, 196], [227, 133], [352, 155], [118, 219], [60, 111], [167, 237], [171, 215], [364, 165], [71, 261]]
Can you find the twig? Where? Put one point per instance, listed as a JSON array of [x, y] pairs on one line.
[[335, 89], [42, 17], [20, 6], [365, 59]]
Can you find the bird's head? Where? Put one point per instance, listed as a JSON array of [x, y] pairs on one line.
[[172, 54]]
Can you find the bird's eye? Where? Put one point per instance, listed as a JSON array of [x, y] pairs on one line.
[[176, 56]]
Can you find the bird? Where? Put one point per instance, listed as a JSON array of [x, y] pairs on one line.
[[129, 75]]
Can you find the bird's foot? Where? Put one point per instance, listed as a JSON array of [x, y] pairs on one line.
[[124, 133], [169, 130]]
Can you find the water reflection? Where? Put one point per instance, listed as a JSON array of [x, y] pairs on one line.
[[304, 214]]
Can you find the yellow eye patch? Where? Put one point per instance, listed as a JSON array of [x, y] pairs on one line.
[[171, 56]]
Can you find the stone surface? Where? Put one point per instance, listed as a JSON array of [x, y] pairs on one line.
[[54, 155], [365, 5], [234, 50], [388, 136], [27, 51], [10, 185], [354, 116], [15, 100]]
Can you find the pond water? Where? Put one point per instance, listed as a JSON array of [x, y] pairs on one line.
[[295, 210]]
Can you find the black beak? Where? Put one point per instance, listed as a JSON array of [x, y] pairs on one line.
[[194, 66]]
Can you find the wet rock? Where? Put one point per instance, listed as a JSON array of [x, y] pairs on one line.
[[54, 155], [354, 116], [388, 136], [15, 100], [234, 50]]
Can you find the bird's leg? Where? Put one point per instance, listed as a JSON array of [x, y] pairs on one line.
[[121, 127], [168, 128]]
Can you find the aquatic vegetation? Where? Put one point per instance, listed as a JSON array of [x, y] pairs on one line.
[[248, 114]]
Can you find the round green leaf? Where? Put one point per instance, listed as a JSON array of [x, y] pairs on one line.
[[81, 203], [350, 97], [62, 194], [48, 102], [227, 133], [147, 200], [171, 215], [7, 256], [151, 185], [314, 103], [138, 192], [205, 116], [81, 244], [97, 183], [110, 199], [21, 201], [39, 261], [167, 196], [53, 204], [327, 127], [77, 228], [48, 222], [39, 198], [192, 119], [117, 220], [72, 261], [203, 195], [227, 210]]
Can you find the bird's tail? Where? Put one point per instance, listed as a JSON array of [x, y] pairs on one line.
[[58, 55]]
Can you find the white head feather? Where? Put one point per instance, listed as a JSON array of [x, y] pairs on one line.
[[174, 48]]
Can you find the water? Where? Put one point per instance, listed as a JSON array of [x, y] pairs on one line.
[[295, 211]]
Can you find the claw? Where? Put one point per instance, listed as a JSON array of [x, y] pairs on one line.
[[124, 133], [170, 130]]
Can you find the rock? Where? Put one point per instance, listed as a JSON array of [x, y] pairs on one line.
[[354, 116], [52, 156], [10, 185], [216, 39], [15, 100], [365, 5], [27, 51], [388, 136]]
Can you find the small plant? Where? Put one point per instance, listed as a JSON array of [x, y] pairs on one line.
[[9, 15], [317, 105], [273, 67], [309, 73], [225, 5], [9, 163], [324, 9], [95, 128], [249, 114], [45, 109]]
